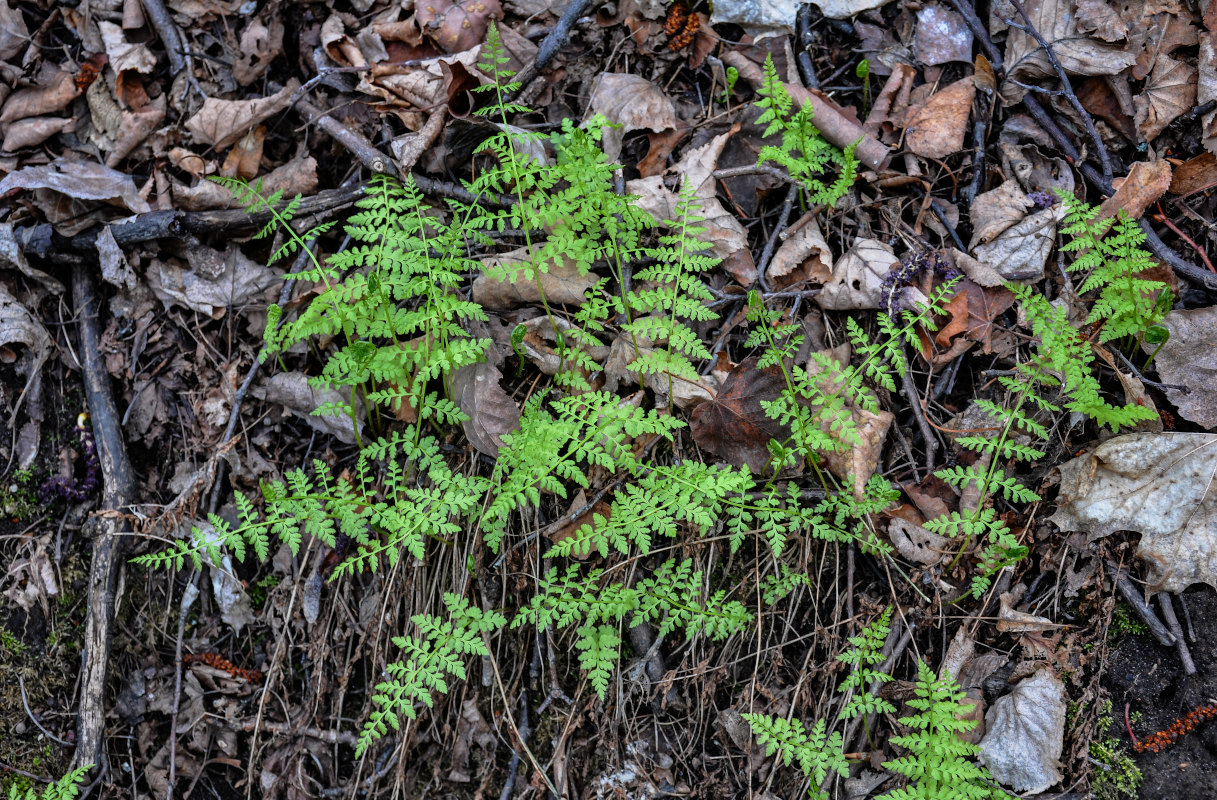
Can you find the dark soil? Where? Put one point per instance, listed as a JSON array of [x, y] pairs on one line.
[[1149, 678]]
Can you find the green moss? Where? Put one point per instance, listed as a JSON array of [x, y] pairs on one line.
[[1117, 777], [1124, 622]]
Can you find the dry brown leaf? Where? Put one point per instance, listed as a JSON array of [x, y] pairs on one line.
[[245, 158], [1169, 92], [14, 35], [491, 411], [857, 277], [733, 426], [123, 54], [973, 310], [1078, 52], [19, 326], [220, 123], [562, 284], [260, 45], [803, 256], [1189, 358], [298, 176], [727, 235], [1101, 21], [1147, 181], [631, 103], [1195, 175], [857, 463], [456, 25], [891, 104], [214, 282], [1206, 88], [942, 36], [42, 100], [1157, 484], [134, 127], [1020, 251], [916, 544], [996, 210], [936, 130], [293, 392], [79, 180], [684, 392], [34, 131]]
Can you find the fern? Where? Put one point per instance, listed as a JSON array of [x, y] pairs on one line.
[[864, 654], [1111, 255], [66, 788], [804, 152], [438, 652], [815, 752], [937, 765]]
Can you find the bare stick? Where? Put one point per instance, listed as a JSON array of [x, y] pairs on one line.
[[1172, 622], [1132, 595]]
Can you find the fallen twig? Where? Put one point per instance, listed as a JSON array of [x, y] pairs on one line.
[[1132, 596]]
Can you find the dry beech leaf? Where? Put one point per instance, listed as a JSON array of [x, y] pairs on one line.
[[220, 123], [857, 277], [942, 37], [562, 284], [1157, 484], [631, 103], [978, 273], [1169, 92], [936, 130], [1147, 181], [803, 256], [1189, 358], [1026, 733], [456, 26], [298, 176], [491, 411], [996, 210], [34, 131], [41, 100], [733, 426], [857, 463], [79, 180], [1077, 52], [1020, 251]]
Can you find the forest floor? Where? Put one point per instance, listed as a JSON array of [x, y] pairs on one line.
[[955, 149]]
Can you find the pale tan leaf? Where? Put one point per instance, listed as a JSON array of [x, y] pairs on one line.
[[34, 131], [260, 45], [805, 251], [631, 103], [1189, 358], [125, 55], [1026, 732], [1101, 20], [14, 35], [457, 25], [942, 36], [857, 277], [996, 210], [562, 284], [79, 180], [1146, 182], [1157, 484], [1020, 252], [42, 100]]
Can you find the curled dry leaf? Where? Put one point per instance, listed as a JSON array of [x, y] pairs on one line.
[[19, 326], [1169, 92], [1011, 620], [734, 426], [114, 267], [937, 128], [1206, 88], [1157, 484], [41, 100], [1020, 252], [125, 55], [803, 256], [235, 280], [1026, 733], [1100, 20], [631, 103], [491, 411], [456, 25], [1077, 52], [562, 284], [14, 35], [79, 180], [857, 277], [1189, 358], [942, 36], [260, 45], [858, 462], [220, 123]]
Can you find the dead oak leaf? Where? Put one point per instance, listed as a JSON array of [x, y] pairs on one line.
[[220, 123], [734, 426]]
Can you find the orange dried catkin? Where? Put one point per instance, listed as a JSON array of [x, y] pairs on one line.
[[223, 664], [1180, 727]]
